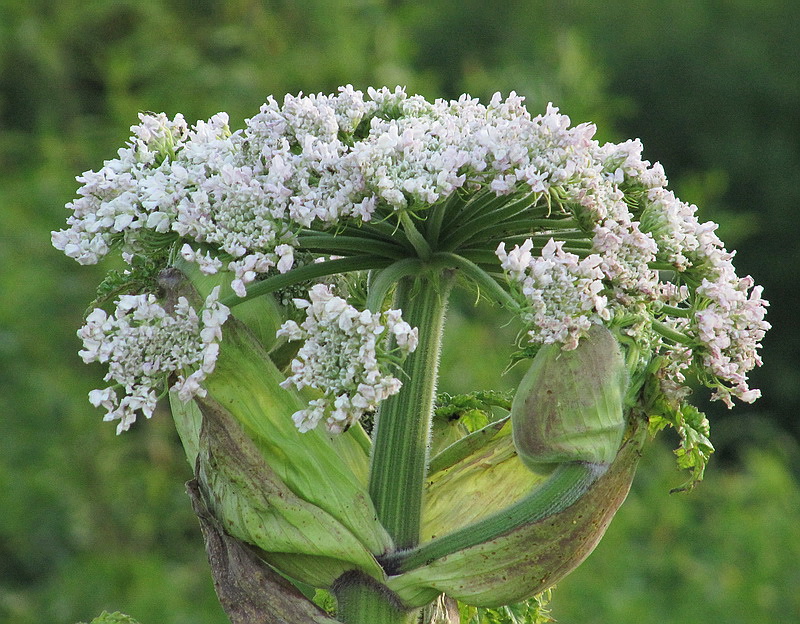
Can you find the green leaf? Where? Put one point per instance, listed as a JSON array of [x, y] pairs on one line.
[[692, 426], [532, 611]]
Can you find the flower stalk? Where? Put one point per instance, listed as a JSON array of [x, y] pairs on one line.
[[360, 600], [400, 442]]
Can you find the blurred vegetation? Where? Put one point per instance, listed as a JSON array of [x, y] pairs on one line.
[[89, 521]]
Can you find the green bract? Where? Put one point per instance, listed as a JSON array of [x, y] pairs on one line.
[[534, 555], [569, 406], [258, 476], [568, 422]]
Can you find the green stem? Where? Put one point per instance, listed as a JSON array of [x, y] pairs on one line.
[[387, 227], [540, 240], [480, 203], [421, 245], [400, 439], [526, 228], [467, 445], [330, 244], [566, 485], [385, 279], [306, 273], [580, 248], [362, 600], [676, 311], [380, 231], [438, 213], [671, 334], [573, 236], [554, 223], [482, 256], [662, 266], [508, 210], [480, 278]]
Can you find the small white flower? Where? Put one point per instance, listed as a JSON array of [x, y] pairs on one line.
[[286, 255]]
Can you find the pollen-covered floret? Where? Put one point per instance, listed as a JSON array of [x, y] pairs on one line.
[[345, 356], [144, 344]]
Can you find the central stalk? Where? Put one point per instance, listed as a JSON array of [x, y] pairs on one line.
[[400, 449]]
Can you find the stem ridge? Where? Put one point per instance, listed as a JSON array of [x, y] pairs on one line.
[[400, 439]]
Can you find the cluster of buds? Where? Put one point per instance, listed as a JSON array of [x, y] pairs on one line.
[[357, 210]]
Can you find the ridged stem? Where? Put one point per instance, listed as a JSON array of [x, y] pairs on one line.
[[508, 208], [361, 600], [480, 278], [400, 439], [385, 279], [328, 244], [415, 237]]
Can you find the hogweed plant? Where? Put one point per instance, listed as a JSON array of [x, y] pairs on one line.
[[286, 287]]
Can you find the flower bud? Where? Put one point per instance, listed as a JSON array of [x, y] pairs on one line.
[[569, 405]]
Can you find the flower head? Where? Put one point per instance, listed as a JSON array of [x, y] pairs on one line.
[[343, 357], [564, 293], [730, 328], [144, 344]]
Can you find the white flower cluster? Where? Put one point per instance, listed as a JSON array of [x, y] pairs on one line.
[[674, 226], [143, 344], [318, 159], [616, 272], [174, 181], [728, 324], [635, 224], [626, 253], [240, 202], [341, 356], [730, 330], [563, 291]]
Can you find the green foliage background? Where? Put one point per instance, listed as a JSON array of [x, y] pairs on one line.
[[89, 521]]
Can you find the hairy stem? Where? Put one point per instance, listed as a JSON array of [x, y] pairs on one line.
[[480, 278], [400, 439], [360, 600], [388, 277]]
